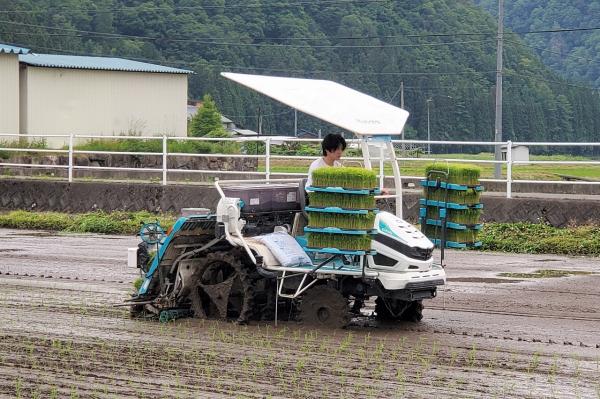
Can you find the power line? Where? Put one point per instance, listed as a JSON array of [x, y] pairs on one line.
[[323, 72], [187, 8], [551, 51], [236, 44], [321, 38], [257, 116], [297, 71], [557, 30], [305, 38], [514, 73]]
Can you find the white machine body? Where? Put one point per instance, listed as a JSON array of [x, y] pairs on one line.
[[404, 254], [404, 258]]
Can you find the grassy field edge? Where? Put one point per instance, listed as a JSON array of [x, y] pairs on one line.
[[526, 238]]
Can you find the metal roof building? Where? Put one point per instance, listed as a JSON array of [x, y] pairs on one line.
[[64, 94], [96, 63], [8, 49]]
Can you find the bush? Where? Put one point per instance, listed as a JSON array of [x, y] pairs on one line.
[[178, 146], [91, 222], [22, 143], [36, 220], [541, 238], [297, 148]]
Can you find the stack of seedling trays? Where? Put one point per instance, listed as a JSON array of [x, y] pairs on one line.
[[451, 208], [341, 211]]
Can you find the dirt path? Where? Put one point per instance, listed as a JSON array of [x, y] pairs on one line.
[[483, 336]]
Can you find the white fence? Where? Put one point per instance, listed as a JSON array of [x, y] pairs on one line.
[[267, 157]]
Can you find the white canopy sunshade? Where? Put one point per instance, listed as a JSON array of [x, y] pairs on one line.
[[332, 102]]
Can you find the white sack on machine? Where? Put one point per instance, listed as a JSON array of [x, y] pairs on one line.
[[285, 248]]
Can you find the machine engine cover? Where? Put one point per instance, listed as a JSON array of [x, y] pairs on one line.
[[400, 246]]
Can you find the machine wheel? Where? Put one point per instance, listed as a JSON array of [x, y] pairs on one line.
[[400, 310], [324, 307], [224, 287], [136, 311]]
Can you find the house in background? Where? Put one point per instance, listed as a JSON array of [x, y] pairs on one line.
[[63, 94], [244, 132], [192, 109]]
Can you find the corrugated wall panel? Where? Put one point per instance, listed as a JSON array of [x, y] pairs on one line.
[[64, 101], [9, 94]]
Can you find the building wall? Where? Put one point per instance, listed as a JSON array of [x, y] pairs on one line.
[[92, 102], [9, 95], [22, 114]]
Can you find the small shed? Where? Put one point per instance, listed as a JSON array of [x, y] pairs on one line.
[[519, 153]]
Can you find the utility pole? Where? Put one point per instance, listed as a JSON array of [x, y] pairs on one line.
[[402, 106], [259, 127], [428, 127], [498, 124], [295, 123]]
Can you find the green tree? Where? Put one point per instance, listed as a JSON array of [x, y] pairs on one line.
[[207, 119]]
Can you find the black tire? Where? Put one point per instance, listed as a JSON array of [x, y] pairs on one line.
[[224, 287], [323, 306], [414, 313], [398, 310], [136, 311]]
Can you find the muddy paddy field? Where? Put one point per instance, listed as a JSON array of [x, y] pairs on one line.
[[519, 335]]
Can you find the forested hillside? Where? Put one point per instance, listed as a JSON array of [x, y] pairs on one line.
[[575, 54], [443, 51]]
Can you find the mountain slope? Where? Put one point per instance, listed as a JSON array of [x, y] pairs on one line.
[[575, 55], [369, 45]]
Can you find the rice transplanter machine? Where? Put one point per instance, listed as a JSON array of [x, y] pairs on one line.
[[250, 258]]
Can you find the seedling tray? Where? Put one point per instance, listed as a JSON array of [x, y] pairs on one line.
[[335, 209], [335, 230], [449, 186], [455, 226], [449, 205], [454, 244], [340, 190]]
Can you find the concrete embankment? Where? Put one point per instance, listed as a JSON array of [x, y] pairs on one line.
[[61, 196]]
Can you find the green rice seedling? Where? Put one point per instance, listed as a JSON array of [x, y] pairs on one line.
[[342, 221], [18, 388], [345, 201], [468, 236], [340, 241], [457, 173], [466, 216], [351, 178], [464, 197], [465, 236], [472, 356]]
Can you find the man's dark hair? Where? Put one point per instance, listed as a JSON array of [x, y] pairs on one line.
[[332, 142]]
